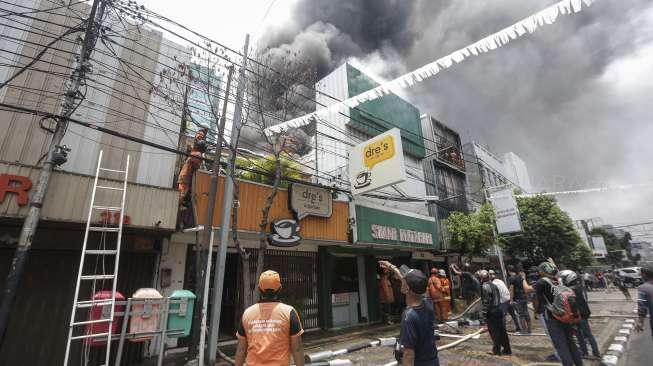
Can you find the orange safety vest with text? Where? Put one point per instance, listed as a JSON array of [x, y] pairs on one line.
[[267, 329]]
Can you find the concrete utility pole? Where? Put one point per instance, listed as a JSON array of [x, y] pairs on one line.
[[36, 203], [207, 234], [227, 203]]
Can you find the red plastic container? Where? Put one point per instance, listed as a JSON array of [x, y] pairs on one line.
[[103, 312]]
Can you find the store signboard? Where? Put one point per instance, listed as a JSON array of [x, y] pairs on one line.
[[377, 226], [377, 163], [506, 211], [308, 200]]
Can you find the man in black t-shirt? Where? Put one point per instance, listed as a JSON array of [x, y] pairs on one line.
[[519, 300], [471, 287], [417, 335], [561, 334]]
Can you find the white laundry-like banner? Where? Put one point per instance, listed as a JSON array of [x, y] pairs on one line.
[[528, 25]]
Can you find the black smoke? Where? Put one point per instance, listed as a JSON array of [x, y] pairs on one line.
[[553, 97]]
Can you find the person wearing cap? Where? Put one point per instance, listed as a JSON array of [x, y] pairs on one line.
[[645, 297], [561, 334], [269, 331], [505, 299], [446, 294], [386, 296], [416, 344], [435, 292], [494, 315]]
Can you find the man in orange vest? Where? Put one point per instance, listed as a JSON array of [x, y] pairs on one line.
[[445, 287], [270, 330], [386, 296], [435, 292]]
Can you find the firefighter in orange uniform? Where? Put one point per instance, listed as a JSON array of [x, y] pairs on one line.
[[435, 292], [191, 164], [445, 287]]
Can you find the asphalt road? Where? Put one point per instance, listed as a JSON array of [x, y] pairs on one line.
[[640, 349]]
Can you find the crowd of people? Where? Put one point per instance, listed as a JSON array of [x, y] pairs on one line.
[[270, 331]]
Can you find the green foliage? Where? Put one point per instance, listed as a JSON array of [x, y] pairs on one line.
[[547, 232], [265, 169], [472, 233]]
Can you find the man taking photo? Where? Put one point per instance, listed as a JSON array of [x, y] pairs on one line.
[[416, 345]]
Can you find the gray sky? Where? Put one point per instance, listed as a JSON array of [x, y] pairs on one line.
[[573, 100]]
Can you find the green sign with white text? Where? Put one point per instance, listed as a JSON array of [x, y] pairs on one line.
[[384, 227]]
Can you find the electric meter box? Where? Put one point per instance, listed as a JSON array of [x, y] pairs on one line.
[[145, 313], [180, 316]]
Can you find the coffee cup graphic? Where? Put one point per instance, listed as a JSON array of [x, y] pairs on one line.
[[363, 179], [285, 233]]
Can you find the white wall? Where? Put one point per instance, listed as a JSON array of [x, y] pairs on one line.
[[333, 155], [516, 171]]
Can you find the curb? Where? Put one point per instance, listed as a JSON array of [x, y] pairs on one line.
[[619, 344]]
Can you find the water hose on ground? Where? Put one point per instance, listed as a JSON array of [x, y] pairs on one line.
[[449, 345]]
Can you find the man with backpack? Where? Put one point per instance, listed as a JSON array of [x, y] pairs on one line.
[[584, 332], [558, 305], [494, 315]]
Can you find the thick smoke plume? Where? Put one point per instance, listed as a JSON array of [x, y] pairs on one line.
[[567, 99]]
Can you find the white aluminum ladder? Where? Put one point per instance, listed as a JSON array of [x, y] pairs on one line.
[[99, 253]]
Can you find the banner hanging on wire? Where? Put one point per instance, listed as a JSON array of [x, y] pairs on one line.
[[527, 25]]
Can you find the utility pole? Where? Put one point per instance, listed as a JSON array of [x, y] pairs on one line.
[[227, 203], [207, 234], [31, 222]]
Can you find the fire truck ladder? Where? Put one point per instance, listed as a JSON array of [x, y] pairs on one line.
[[100, 252]]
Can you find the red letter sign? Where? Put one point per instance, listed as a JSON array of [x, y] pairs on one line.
[[20, 187]]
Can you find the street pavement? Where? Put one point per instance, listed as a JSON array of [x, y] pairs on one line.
[[609, 310], [640, 349]]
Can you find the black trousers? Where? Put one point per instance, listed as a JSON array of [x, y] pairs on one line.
[[496, 325]]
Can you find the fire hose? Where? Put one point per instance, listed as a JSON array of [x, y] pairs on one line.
[[449, 345]]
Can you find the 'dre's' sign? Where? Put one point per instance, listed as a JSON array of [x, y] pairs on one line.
[[15, 185], [310, 201]]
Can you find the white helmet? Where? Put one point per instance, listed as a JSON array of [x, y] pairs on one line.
[[568, 277], [442, 272]]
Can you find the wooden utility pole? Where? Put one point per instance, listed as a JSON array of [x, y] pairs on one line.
[[31, 222]]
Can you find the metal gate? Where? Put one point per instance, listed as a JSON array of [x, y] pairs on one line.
[[298, 271]]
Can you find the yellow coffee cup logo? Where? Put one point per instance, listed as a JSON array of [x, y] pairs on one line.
[[379, 151]]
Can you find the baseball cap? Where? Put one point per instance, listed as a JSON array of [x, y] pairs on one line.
[[415, 279], [269, 280]]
